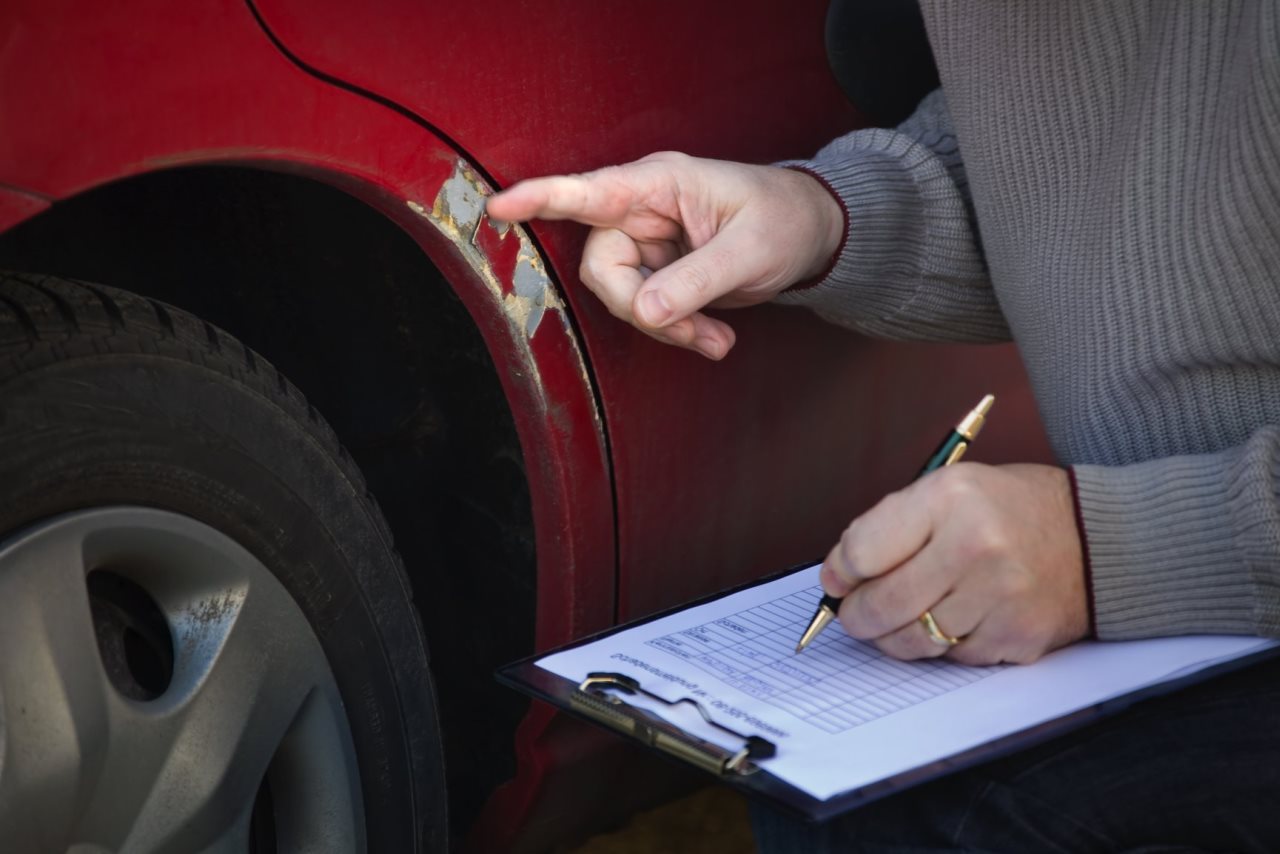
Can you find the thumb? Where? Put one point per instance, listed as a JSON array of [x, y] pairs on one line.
[[672, 293]]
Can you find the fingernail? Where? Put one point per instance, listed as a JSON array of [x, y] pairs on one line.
[[709, 347], [832, 584], [653, 308]]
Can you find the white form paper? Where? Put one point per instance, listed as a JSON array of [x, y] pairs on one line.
[[843, 714]]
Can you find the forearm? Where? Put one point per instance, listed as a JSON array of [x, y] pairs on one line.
[[1185, 545], [910, 266]]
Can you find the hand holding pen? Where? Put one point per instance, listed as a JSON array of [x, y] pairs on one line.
[[992, 554], [949, 450]]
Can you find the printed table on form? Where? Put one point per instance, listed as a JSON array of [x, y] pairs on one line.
[[827, 685]]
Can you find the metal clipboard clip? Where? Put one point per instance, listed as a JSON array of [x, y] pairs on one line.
[[591, 698]]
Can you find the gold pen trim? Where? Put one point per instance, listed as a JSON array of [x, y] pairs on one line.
[[956, 453], [820, 621], [972, 424]]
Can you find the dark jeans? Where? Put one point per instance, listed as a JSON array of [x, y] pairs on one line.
[[1198, 770]]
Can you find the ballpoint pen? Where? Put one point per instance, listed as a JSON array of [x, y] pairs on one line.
[[951, 449]]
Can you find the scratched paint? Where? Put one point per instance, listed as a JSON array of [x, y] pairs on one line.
[[458, 213], [201, 629]]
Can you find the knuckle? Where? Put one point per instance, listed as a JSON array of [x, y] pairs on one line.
[[892, 646], [850, 626], [1020, 585], [681, 333], [1014, 585], [619, 312], [971, 655], [867, 611], [929, 649], [589, 272], [881, 607], [671, 157], [578, 189], [895, 502], [884, 604], [851, 553], [906, 646], [695, 279], [854, 620], [956, 484], [984, 542]]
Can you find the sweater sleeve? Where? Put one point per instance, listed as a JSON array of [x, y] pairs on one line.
[[910, 266], [1185, 545]]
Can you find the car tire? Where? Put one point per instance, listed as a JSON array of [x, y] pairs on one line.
[[156, 451]]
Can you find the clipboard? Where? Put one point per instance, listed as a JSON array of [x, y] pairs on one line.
[[602, 699]]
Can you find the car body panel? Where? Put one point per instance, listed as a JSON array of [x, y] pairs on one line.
[[16, 206], [716, 466], [655, 475], [136, 97]]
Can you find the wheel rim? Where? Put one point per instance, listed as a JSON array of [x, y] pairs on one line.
[[106, 746]]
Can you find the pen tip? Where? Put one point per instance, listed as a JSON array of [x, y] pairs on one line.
[[985, 406]]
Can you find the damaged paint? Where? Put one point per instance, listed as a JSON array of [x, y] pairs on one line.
[[458, 213], [530, 288]]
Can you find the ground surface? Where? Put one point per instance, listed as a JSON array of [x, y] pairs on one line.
[[712, 821]]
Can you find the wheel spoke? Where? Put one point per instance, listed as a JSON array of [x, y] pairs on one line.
[[170, 761], [240, 677], [55, 702], [233, 839]]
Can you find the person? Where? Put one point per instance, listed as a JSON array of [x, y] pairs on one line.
[[1099, 182]]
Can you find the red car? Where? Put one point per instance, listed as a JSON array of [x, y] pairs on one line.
[[256, 330]]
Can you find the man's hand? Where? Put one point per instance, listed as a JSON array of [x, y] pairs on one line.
[[991, 551], [674, 234]]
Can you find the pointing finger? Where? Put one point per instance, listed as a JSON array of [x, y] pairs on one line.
[[595, 198]]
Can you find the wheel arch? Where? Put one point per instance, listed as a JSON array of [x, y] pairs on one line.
[[454, 331], [192, 87], [199, 86]]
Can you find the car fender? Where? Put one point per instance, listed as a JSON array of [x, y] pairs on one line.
[[119, 95]]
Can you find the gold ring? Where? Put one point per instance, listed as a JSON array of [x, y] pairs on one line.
[[936, 634]]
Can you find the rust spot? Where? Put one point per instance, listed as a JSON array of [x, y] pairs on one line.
[[458, 213]]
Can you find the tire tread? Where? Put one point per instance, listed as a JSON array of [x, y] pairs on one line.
[[46, 320], [49, 309]]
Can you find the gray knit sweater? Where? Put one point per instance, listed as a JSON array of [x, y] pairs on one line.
[[1102, 184]]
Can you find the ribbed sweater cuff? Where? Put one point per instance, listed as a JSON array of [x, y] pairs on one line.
[[908, 266], [1163, 549], [1084, 551], [882, 213]]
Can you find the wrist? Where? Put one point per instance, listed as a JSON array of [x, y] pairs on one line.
[[831, 227]]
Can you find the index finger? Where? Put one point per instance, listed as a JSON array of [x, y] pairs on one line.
[[879, 540], [593, 199]]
